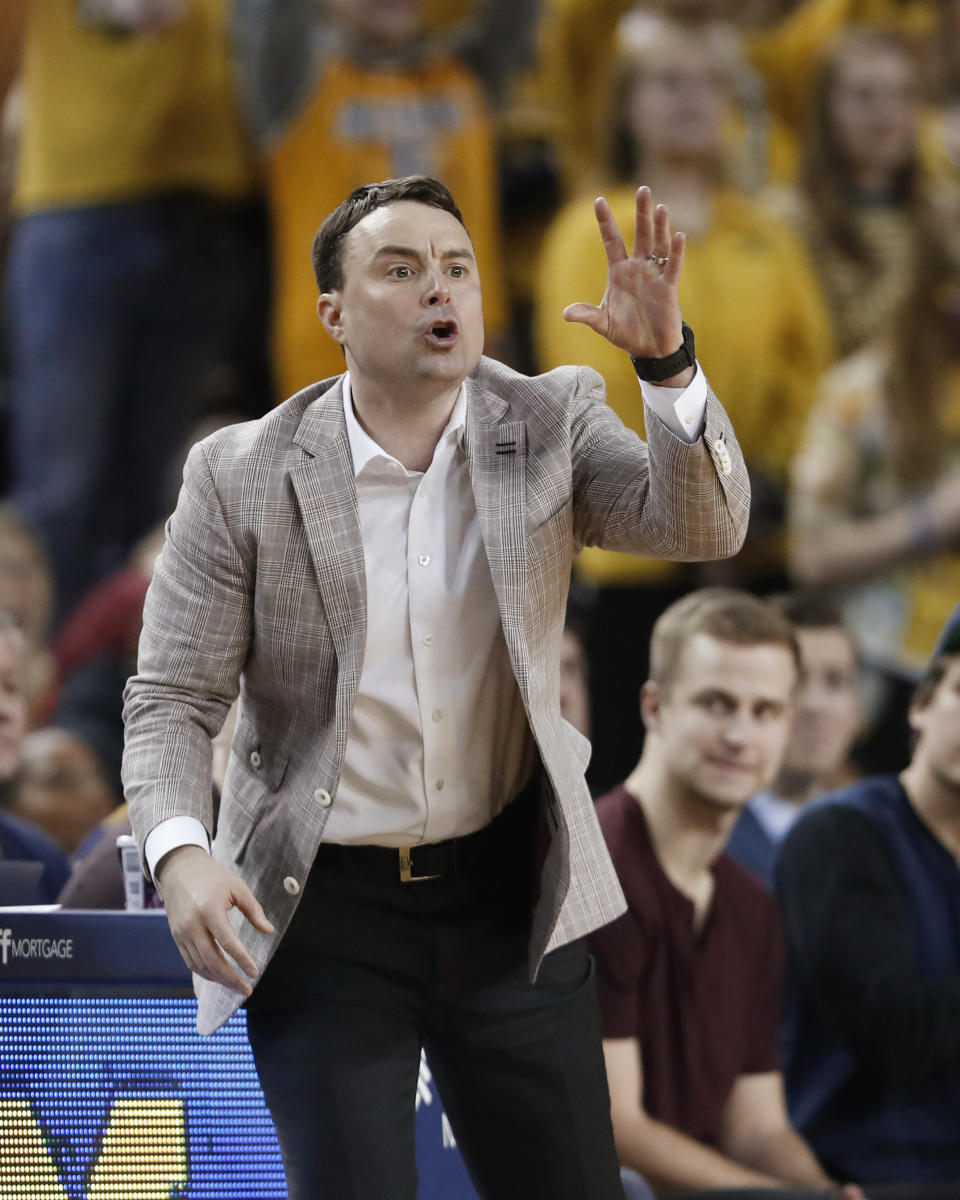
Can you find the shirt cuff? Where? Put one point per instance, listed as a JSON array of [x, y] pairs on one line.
[[683, 411], [169, 834]]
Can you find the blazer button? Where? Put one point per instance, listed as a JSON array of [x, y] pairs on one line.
[[323, 797], [291, 887], [256, 760]]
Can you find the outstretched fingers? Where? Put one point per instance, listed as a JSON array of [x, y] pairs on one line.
[[643, 232], [613, 244], [677, 249], [661, 231], [654, 239]]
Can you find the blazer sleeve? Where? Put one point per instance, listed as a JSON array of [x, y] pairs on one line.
[[664, 497], [195, 639]]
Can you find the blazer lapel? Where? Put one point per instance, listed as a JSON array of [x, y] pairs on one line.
[[326, 493], [496, 450]]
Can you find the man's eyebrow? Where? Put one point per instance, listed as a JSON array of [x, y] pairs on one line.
[[398, 251], [410, 252]]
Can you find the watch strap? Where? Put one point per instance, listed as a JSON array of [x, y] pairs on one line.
[[653, 370]]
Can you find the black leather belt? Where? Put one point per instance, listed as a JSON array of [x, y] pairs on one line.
[[497, 847]]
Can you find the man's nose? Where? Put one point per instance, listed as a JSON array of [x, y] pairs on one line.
[[438, 289], [736, 732]]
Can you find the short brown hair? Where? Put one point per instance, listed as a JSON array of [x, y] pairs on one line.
[[723, 613], [328, 243], [930, 680], [933, 675]]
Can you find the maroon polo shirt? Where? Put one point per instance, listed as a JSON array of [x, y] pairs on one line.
[[703, 1004]]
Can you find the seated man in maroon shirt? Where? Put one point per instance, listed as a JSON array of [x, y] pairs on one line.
[[690, 975]]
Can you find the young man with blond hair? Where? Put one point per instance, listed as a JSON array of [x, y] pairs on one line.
[[690, 975]]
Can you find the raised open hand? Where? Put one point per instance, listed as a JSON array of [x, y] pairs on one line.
[[640, 311]]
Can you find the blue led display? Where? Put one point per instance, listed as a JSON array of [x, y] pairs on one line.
[[121, 1099]]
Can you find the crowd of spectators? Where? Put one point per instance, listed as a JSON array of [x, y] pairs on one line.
[[163, 167]]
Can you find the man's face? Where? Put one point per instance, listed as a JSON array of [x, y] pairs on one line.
[[409, 313], [938, 725], [722, 722], [13, 704], [827, 717]]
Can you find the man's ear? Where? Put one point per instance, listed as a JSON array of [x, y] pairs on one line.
[[331, 315], [651, 699]]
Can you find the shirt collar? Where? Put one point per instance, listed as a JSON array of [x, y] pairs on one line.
[[364, 449]]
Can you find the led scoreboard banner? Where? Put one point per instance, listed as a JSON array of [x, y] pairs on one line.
[[107, 1092]]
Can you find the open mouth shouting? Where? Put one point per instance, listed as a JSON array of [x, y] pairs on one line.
[[443, 334]]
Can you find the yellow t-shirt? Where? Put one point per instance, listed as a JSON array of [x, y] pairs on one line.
[[761, 329], [844, 472], [112, 117], [360, 126]]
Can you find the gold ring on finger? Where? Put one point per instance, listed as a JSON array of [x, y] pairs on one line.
[[660, 259]]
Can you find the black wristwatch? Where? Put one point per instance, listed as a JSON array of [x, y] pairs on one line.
[[653, 370]]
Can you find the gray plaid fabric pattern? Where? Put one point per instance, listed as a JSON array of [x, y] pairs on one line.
[[260, 591]]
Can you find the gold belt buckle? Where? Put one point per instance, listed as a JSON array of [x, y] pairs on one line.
[[406, 863]]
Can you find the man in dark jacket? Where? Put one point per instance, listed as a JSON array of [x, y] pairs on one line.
[[870, 888]]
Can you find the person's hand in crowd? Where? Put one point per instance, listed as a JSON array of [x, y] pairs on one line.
[[640, 309], [198, 892]]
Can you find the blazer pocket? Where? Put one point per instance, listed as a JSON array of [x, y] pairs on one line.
[[254, 776], [240, 826], [256, 756]]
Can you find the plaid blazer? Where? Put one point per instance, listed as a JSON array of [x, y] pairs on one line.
[[260, 591]]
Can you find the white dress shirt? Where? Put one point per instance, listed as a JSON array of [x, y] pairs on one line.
[[439, 741]]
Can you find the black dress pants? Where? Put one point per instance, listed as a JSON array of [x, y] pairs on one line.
[[371, 970]]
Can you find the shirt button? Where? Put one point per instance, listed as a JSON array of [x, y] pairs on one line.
[[437, 714], [323, 797], [439, 785], [291, 887], [428, 639], [423, 560], [256, 761]]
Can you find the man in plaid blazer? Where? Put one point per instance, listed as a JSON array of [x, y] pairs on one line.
[[405, 852]]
